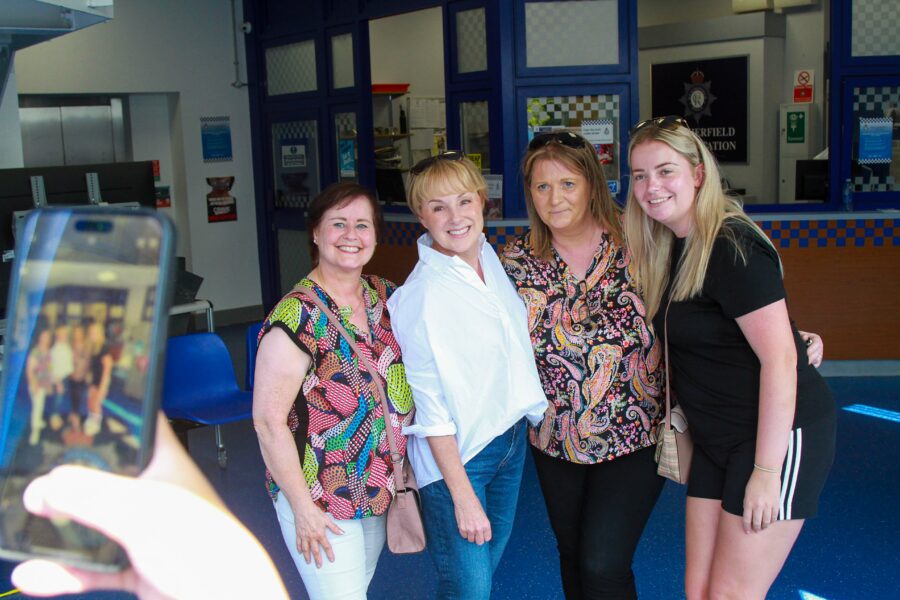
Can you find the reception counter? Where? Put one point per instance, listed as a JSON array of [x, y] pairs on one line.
[[841, 271]]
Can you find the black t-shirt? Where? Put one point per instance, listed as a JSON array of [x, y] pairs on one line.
[[715, 372]]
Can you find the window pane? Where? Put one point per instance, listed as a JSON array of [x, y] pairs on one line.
[[473, 118], [594, 117], [296, 158], [572, 33], [471, 41], [347, 156], [875, 28], [291, 68], [342, 60]]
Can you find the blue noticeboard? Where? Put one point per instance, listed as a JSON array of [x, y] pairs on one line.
[[215, 134]]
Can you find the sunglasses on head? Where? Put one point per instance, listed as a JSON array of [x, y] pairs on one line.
[[667, 122], [566, 138], [423, 165]]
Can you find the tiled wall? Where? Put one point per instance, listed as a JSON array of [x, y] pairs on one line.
[[842, 277], [833, 233], [826, 233]]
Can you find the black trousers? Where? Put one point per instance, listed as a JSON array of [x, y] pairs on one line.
[[598, 513]]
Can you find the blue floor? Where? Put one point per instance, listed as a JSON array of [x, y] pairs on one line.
[[850, 551]]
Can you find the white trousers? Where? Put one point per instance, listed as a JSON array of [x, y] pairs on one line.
[[356, 554]]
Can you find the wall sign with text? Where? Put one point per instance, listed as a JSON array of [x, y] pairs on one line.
[[712, 96]]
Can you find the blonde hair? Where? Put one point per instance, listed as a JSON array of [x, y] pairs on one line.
[[585, 162], [651, 242], [443, 177]]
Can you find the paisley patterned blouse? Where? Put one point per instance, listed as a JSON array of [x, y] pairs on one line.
[[598, 360], [337, 419]]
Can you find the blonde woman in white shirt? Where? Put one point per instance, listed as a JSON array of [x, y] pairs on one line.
[[464, 335]]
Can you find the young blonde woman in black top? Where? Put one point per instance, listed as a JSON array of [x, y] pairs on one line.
[[762, 421]]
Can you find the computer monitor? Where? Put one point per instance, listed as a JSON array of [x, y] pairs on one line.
[[811, 181]]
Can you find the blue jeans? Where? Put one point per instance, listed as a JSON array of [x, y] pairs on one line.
[[465, 569]]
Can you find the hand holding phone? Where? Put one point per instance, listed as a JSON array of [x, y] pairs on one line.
[[182, 541], [85, 326]]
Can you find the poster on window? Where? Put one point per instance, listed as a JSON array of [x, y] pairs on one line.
[[711, 95], [347, 153]]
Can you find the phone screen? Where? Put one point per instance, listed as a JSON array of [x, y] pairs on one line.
[[84, 326]]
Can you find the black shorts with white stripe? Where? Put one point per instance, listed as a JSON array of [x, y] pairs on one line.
[[722, 472]]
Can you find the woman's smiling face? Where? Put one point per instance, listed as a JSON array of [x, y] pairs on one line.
[[455, 222], [665, 185]]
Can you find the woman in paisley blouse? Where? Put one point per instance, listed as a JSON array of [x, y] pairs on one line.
[[321, 428], [599, 364]]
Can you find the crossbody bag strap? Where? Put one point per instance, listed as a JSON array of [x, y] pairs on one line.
[[396, 457], [668, 419]]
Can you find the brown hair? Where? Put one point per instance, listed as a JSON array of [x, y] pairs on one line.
[[339, 195], [584, 161]]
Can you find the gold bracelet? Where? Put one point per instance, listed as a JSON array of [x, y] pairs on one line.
[[765, 469]]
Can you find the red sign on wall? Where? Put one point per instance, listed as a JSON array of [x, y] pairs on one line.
[[803, 86]]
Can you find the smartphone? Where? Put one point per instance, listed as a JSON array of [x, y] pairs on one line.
[[86, 320]]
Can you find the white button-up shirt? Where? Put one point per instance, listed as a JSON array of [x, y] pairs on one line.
[[467, 354]]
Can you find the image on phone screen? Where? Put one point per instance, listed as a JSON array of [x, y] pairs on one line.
[[84, 324]]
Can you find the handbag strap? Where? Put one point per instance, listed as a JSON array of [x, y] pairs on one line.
[[668, 418], [396, 457]]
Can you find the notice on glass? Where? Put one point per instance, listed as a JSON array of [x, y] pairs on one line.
[[293, 154], [494, 208], [347, 149], [875, 140], [597, 131]]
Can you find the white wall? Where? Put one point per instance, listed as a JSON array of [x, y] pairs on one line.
[[161, 48], [804, 48], [151, 122], [662, 12], [409, 48], [10, 130]]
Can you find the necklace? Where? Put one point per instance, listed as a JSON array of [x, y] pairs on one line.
[[353, 310]]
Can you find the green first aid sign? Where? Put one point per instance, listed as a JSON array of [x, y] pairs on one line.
[[796, 127]]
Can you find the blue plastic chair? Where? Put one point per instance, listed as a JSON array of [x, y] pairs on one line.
[[252, 333], [200, 387]]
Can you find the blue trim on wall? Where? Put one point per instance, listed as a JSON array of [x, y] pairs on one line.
[[513, 203]]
